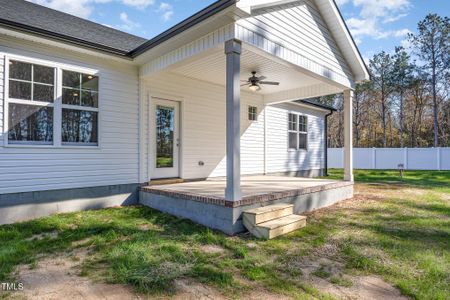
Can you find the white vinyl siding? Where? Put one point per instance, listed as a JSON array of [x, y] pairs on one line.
[[279, 158], [203, 126], [2, 92], [203, 130], [48, 168], [298, 28]]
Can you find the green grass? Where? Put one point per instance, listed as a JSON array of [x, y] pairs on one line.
[[398, 231], [423, 179]]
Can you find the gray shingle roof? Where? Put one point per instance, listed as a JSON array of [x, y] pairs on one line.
[[33, 17]]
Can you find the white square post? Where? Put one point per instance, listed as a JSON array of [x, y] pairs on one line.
[[348, 135], [233, 112]]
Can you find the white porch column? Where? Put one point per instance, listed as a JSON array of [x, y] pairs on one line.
[[233, 111], [348, 135]]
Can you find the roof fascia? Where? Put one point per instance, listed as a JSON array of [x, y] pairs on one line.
[[338, 18], [37, 38], [188, 23], [60, 37], [249, 6]]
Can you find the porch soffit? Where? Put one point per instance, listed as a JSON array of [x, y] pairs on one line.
[[294, 84], [216, 38]]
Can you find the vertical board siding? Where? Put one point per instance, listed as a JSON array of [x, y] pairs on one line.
[[203, 123], [115, 161], [390, 158], [279, 158], [296, 32]]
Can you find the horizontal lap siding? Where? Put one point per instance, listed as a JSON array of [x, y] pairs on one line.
[[204, 126], [204, 130], [115, 162], [300, 28], [279, 159]]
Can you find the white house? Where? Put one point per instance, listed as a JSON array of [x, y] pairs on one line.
[[89, 115]]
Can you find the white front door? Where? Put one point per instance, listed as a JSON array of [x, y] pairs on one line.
[[165, 138]]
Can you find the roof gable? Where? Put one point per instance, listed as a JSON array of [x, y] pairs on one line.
[[328, 11]]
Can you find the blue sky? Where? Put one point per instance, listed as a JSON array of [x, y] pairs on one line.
[[375, 24]]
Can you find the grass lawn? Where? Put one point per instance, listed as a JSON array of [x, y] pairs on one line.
[[396, 229]]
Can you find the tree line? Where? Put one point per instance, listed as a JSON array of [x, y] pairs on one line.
[[407, 101]]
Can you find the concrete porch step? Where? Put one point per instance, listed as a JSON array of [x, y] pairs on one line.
[[277, 227], [165, 181], [266, 213]]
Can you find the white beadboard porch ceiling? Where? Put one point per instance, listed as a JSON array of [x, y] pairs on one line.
[[211, 68]]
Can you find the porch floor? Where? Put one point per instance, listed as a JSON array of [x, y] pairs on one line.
[[254, 188]]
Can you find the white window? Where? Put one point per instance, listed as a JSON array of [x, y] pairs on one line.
[[79, 109], [31, 103], [297, 132], [37, 116], [252, 113]]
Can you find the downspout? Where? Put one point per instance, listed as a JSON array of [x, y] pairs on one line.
[[326, 142]]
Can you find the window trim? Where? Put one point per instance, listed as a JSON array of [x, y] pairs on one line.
[[297, 131], [256, 113], [56, 104]]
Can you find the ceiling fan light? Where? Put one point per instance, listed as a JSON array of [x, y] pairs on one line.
[[254, 87]]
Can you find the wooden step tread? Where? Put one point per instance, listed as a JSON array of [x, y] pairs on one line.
[[267, 209], [277, 223], [263, 214]]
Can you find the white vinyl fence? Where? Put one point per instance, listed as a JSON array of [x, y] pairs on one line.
[[390, 158]]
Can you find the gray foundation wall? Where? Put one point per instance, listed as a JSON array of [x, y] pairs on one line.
[[210, 215], [228, 219], [19, 207]]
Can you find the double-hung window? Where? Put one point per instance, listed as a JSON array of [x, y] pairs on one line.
[[297, 132], [45, 110], [252, 113], [31, 103], [79, 109]]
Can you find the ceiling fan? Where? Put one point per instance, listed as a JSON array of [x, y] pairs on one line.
[[254, 83]]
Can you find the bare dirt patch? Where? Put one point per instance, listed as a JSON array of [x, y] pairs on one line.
[[57, 278], [325, 274], [212, 249], [189, 290]]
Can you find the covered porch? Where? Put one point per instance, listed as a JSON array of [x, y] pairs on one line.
[[210, 86], [204, 201], [204, 72]]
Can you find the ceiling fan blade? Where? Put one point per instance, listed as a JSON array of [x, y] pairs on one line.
[[262, 78], [244, 84], [269, 82]]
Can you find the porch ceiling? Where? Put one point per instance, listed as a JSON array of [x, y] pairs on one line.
[[212, 68]]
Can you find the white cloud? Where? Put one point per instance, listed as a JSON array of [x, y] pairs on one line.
[[166, 11], [341, 2], [406, 43], [381, 8], [127, 24], [392, 19], [79, 8], [373, 14], [85, 8], [140, 4], [402, 32]]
